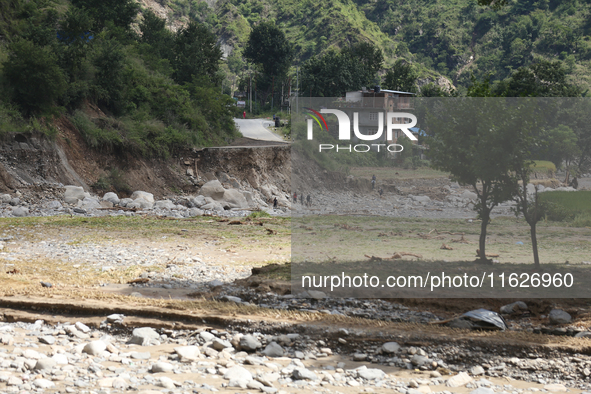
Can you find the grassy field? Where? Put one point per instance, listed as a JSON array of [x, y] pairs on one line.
[[573, 208], [578, 202], [351, 238]]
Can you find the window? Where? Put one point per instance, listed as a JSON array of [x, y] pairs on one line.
[[373, 116]]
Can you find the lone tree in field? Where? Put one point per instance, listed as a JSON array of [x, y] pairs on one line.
[[473, 139]]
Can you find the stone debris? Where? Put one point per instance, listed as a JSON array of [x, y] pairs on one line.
[[75, 365]]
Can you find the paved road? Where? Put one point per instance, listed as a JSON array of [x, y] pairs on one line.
[[255, 129]]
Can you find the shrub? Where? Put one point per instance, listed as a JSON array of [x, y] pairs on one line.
[[33, 75]]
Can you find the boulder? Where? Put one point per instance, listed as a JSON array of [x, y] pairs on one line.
[[558, 316], [195, 212], [249, 343], [458, 380], [513, 307], [213, 206], [74, 193], [234, 199], [140, 203], [371, 374], [164, 204], [187, 354], [213, 189], [390, 347], [468, 195], [95, 348], [199, 201], [238, 376], [273, 350], [124, 201], [149, 197], [143, 336], [89, 203], [45, 363], [53, 205], [303, 374], [111, 197], [161, 367], [5, 198], [20, 212]]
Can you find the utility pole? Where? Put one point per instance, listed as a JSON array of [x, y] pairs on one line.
[[272, 93], [281, 100], [250, 93], [297, 89]]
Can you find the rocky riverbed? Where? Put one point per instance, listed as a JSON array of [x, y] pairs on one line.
[[73, 357]]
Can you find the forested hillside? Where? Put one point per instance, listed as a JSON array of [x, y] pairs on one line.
[[148, 76], [453, 38], [128, 84]]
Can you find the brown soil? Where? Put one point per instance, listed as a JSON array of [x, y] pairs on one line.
[[29, 161]]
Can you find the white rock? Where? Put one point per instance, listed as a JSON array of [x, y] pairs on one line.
[[43, 383], [555, 388], [73, 193], [111, 197], [149, 197], [167, 383], [213, 189], [390, 347], [238, 376], [143, 336], [60, 359], [162, 367], [304, 374], [95, 348], [187, 354], [371, 374], [82, 327], [458, 380]]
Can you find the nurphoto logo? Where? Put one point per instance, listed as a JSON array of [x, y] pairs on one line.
[[390, 119]]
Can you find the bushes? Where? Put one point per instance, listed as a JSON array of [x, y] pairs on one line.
[[574, 207], [71, 59], [33, 76]]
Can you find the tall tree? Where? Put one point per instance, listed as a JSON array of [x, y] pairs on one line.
[[121, 13], [402, 76], [271, 53], [540, 79], [154, 33], [268, 48], [368, 57], [196, 53], [34, 76], [473, 141], [335, 72]]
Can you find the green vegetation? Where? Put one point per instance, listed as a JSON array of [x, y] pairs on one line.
[[543, 167], [572, 207], [258, 214], [156, 91]]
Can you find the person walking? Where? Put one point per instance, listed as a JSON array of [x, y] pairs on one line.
[[295, 197], [275, 203], [308, 201], [381, 191], [244, 115], [373, 182]]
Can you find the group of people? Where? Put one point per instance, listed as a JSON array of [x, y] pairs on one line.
[[307, 202]]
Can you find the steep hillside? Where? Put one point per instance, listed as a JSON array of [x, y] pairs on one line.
[[452, 38]]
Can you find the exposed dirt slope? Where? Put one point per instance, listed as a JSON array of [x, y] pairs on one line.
[[37, 162]]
